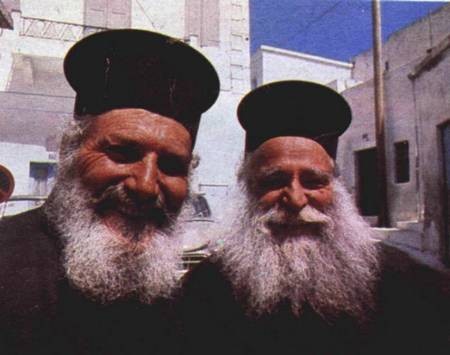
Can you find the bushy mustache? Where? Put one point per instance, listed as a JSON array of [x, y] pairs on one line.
[[118, 198], [307, 216]]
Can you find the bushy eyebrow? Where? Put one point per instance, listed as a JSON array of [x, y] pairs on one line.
[[266, 172], [319, 173], [113, 139]]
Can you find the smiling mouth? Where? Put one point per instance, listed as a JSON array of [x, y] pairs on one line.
[[293, 226], [144, 213], [133, 212]]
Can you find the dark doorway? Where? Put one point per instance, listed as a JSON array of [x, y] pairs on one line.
[[367, 183], [445, 134]]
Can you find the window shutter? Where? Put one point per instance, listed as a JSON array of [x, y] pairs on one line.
[[193, 17], [210, 23], [107, 13], [95, 13], [119, 14], [203, 21]]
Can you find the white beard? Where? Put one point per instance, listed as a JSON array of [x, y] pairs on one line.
[[106, 267], [331, 267]]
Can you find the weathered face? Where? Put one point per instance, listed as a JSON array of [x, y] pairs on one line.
[[292, 172], [146, 153]]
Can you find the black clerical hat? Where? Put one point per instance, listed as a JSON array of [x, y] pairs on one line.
[[294, 108], [130, 68]]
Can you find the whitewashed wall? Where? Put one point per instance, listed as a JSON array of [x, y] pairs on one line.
[[273, 64]]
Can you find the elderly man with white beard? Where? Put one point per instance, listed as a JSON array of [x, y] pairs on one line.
[[95, 269], [297, 271]]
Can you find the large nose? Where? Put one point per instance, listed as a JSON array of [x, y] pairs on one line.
[[143, 180], [294, 197]]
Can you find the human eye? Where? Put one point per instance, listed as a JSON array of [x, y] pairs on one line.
[[314, 180], [272, 181], [172, 165], [123, 153]]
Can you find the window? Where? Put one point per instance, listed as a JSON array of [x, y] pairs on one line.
[[107, 13], [42, 178], [401, 150], [368, 197], [203, 21], [201, 206]]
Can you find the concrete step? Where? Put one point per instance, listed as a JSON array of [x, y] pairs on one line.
[[407, 237], [410, 225]]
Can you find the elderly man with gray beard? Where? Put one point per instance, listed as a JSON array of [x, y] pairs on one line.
[[296, 270], [93, 271]]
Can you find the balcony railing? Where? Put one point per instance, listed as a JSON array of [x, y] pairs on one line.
[[62, 31]]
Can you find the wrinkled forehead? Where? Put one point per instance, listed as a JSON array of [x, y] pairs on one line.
[[138, 125], [288, 149]]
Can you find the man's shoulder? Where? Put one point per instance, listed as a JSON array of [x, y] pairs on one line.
[[207, 283], [29, 263], [21, 224], [399, 266], [412, 283], [25, 231], [208, 271], [26, 245], [413, 303]]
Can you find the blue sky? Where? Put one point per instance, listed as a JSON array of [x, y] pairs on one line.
[[333, 29]]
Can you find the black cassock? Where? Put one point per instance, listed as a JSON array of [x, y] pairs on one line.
[[412, 316], [40, 313]]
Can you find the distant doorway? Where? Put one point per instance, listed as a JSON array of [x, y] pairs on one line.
[[445, 135], [367, 183]]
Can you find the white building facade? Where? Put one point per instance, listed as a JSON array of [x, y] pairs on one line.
[[270, 64]]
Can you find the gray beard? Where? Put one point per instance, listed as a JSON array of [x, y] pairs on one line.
[[331, 267], [107, 268]]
